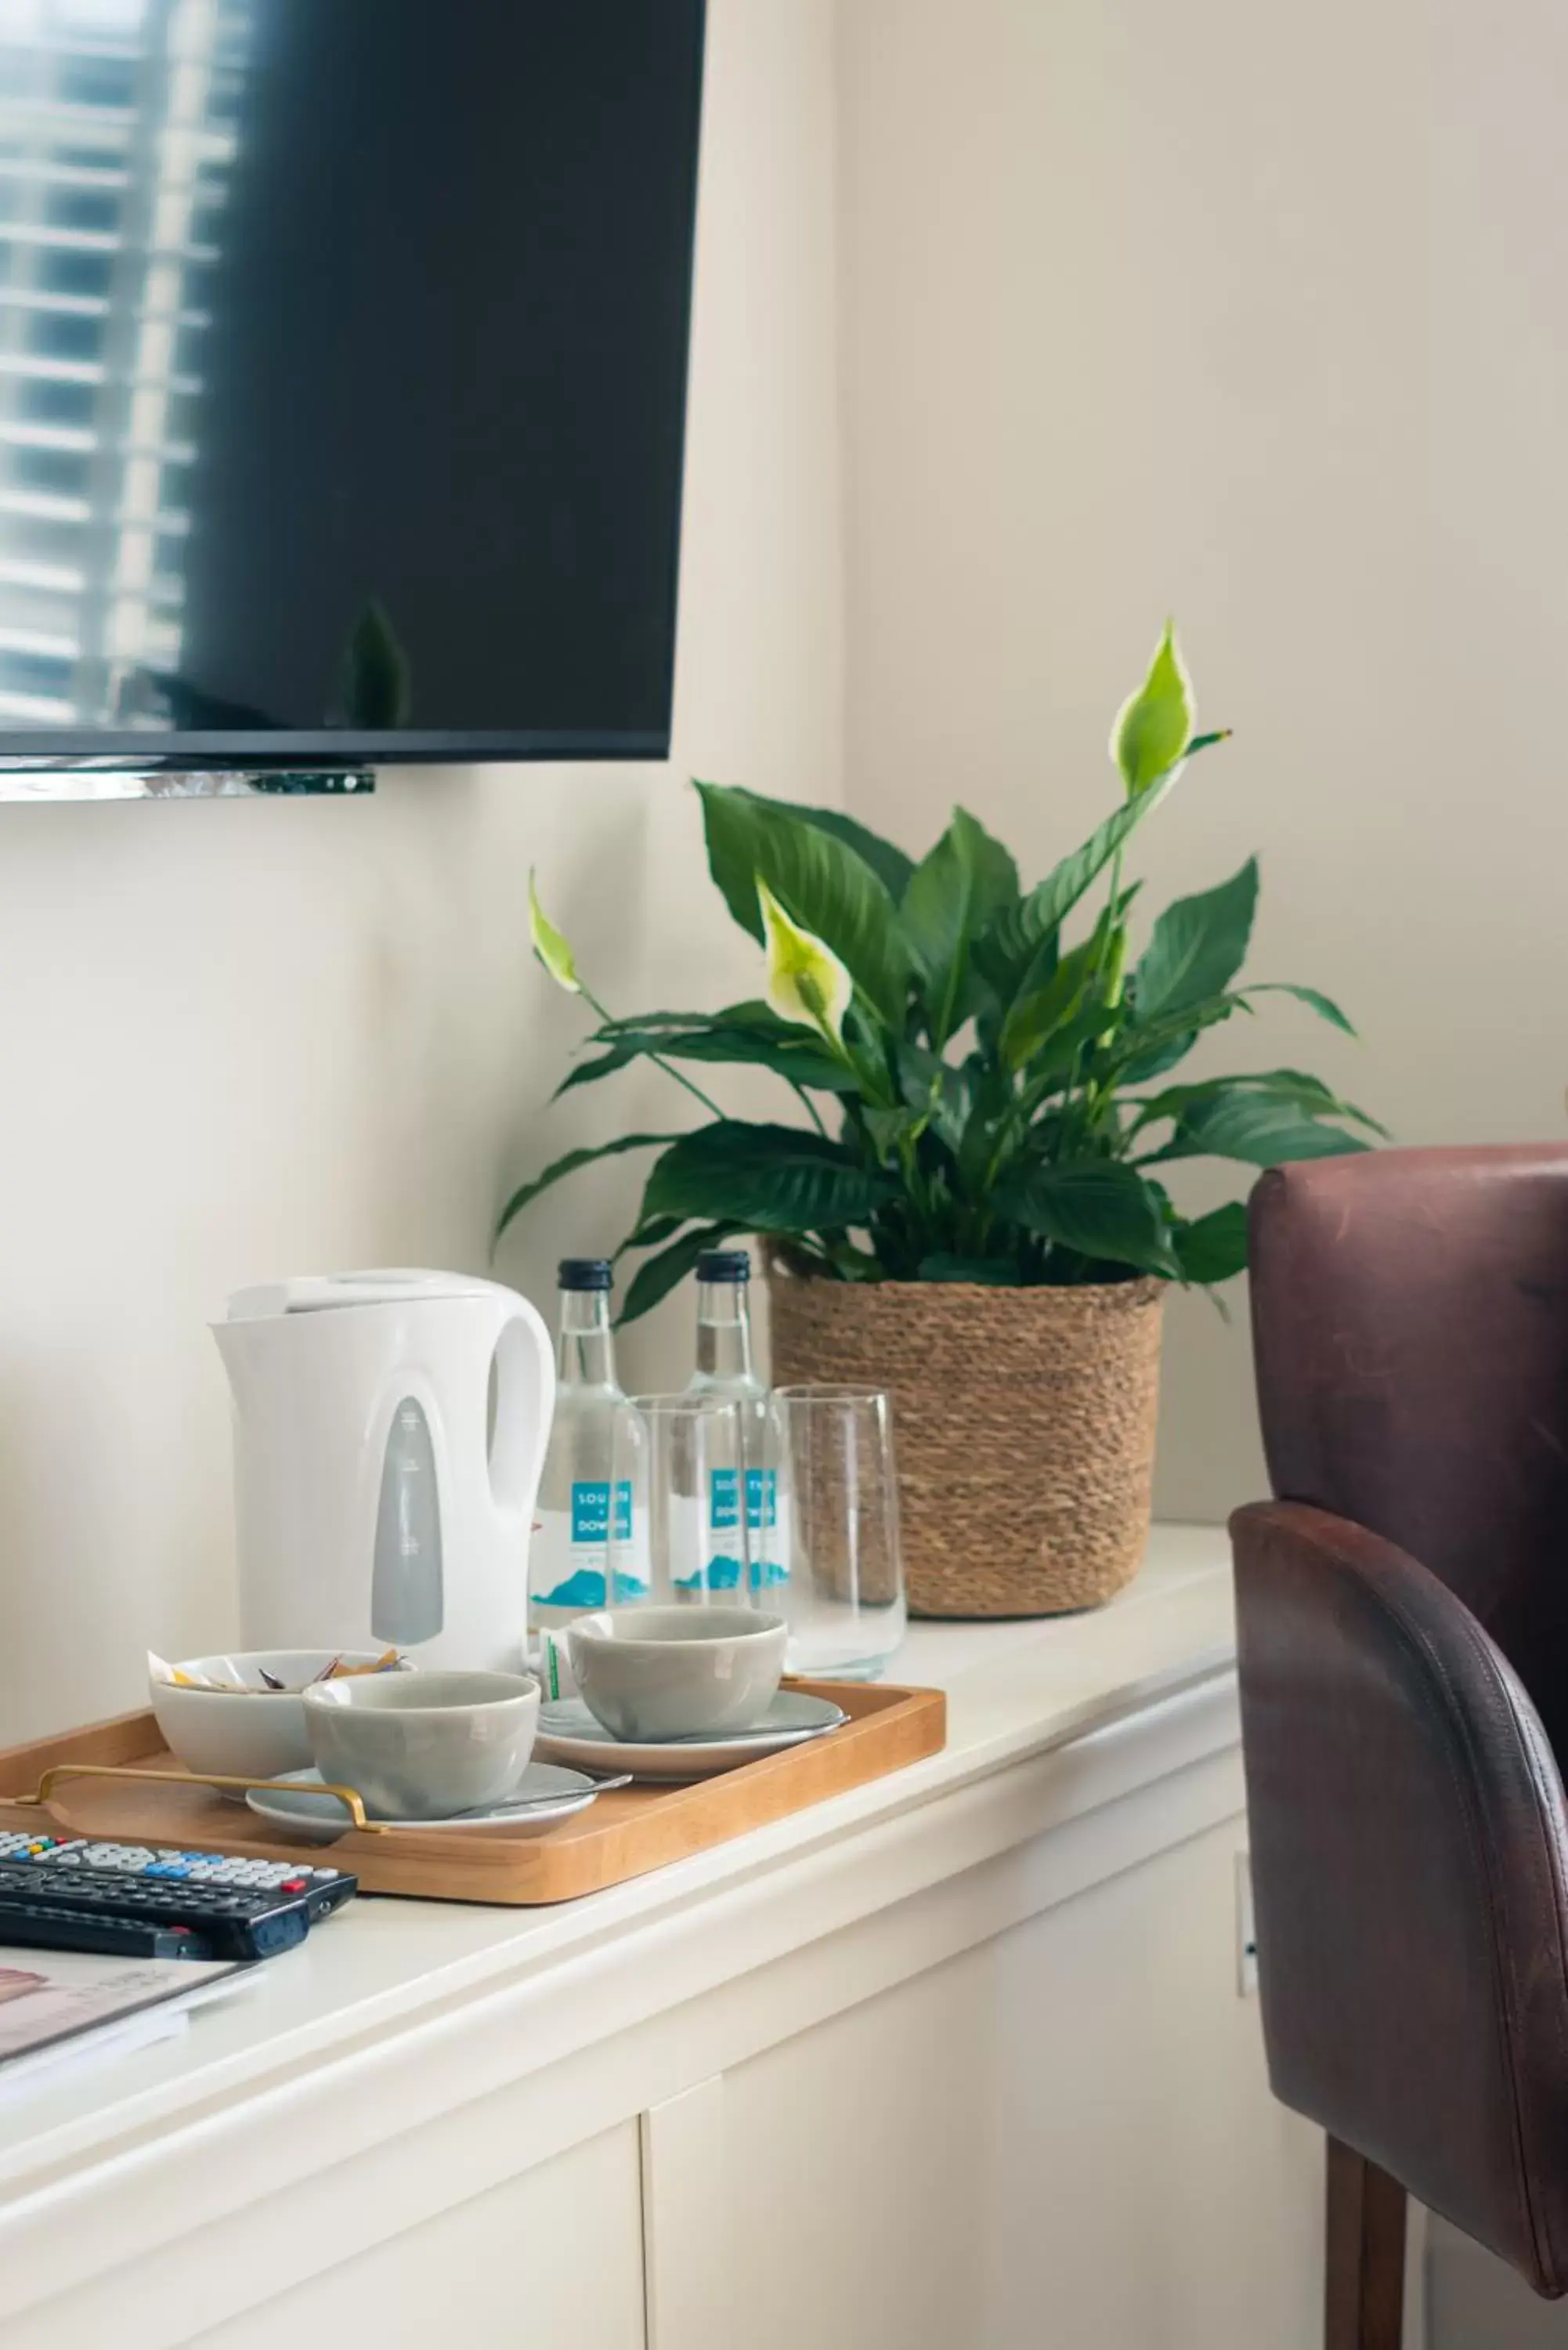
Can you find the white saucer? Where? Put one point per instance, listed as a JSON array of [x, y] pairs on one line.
[[569, 1734], [542, 1795]]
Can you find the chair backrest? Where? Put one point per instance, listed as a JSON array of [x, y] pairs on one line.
[[1410, 1320]]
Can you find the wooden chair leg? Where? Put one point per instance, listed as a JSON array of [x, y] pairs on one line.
[[1364, 2301]]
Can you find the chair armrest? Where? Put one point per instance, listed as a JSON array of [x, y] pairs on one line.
[[1410, 1856]]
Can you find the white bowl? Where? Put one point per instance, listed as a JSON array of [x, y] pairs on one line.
[[649, 1673], [245, 1734]]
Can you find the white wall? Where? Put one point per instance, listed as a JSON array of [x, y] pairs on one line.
[[242, 1039], [1252, 315], [1246, 313]]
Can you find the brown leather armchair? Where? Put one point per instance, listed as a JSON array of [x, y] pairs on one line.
[[1402, 1620]]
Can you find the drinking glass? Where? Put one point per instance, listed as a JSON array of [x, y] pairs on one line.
[[625, 1511], [688, 1479], [844, 1599]]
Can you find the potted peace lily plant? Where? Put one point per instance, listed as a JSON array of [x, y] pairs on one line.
[[966, 1204]]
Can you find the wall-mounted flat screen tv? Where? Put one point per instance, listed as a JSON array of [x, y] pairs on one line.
[[342, 376]]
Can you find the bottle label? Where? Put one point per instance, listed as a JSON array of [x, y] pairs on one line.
[[769, 1555], [591, 1511], [570, 1570]]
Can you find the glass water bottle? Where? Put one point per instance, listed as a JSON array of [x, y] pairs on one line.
[[587, 1493], [725, 1369]]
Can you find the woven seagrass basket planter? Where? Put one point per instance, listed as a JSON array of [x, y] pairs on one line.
[[1025, 1423]]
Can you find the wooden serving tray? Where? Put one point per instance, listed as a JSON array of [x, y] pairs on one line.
[[625, 1834]]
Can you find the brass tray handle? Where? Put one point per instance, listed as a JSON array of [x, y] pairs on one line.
[[348, 1796]]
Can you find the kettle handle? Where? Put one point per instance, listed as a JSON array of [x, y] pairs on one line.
[[524, 1361]]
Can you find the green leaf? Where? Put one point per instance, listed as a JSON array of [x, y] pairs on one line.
[[996, 1273], [638, 1022], [1101, 1208], [1058, 1056], [934, 1090], [1038, 1011], [953, 894], [1154, 1060], [788, 1051], [1260, 1129], [588, 1072], [1213, 1247], [569, 1165], [1007, 955], [1014, 936], [732, 825], [890, 865], [658, 1275], [649, 1235], [992, 1100], [1324, 1005], [827, 886], [755, 1012], [764, 1178], [1153, 727], [1143, 1045], [1295, 1085], [1197, 946]]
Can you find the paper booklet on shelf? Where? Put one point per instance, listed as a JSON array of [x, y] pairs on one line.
[[59, 2004]]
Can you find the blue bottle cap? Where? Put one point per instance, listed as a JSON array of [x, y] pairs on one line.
[[723, 1264], [585, 1272]]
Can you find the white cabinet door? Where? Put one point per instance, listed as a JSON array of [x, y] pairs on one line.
[[1061, 2140], [551, 2261]]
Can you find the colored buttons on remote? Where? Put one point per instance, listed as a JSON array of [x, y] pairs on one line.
[[202, 1867], [223, 1905]]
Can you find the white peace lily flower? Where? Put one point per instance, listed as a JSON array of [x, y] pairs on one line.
[[806, 983], [549, 945], [1154, 726]]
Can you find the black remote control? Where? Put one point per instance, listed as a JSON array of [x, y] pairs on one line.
[[77, 1895]]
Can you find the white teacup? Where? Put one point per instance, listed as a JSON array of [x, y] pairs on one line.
[[648, 1673], [422, 1746]]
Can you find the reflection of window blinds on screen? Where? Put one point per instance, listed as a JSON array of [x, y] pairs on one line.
[[114, 152]]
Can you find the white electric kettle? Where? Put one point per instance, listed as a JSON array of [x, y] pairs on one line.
[[377, 1505]]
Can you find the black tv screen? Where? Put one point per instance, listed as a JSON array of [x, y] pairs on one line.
[[342, 376]]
